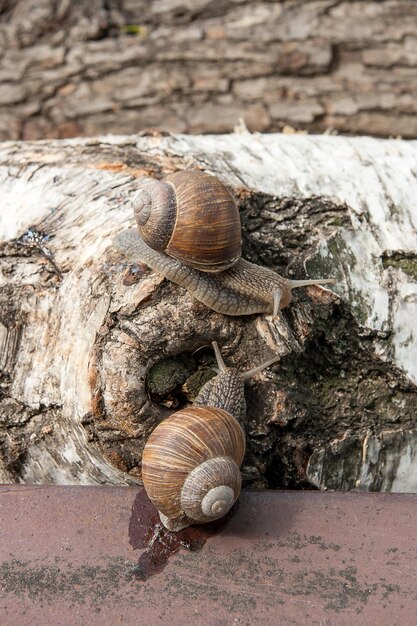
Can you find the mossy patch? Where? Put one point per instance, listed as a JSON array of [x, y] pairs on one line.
[[168, 373], [407, 262], [194, 383], [177, 380]]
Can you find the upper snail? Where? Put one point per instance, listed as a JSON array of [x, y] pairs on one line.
[[190, 233], [192, 217]]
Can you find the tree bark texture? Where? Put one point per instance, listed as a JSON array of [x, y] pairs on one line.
[[96, 350], [198, 66]]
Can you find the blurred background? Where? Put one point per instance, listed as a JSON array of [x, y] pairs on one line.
[[70, 68]]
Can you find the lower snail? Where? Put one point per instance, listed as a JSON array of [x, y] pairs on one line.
[[189, 231], [191, 461]]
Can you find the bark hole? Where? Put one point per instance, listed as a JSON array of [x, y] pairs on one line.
[[175, 382]]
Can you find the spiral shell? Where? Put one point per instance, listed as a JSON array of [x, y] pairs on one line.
[[190, 464], [192, 217]]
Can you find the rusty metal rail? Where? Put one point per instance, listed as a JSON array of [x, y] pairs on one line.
[[96, 555]]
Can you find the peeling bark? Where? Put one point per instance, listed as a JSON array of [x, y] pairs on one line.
[[95, 351]]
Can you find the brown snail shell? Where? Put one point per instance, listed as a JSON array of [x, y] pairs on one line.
[[190, 466], [192, 217]]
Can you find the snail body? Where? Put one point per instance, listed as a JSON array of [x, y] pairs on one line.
[[189, 231], [243, 289], [191, 461]]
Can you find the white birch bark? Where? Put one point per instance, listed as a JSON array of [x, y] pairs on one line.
[[79, 327]]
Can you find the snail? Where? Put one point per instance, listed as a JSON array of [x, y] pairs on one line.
[[189, 231], [190, 463]]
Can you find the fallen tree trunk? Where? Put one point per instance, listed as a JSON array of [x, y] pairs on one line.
[[87, 68], [95, 350]]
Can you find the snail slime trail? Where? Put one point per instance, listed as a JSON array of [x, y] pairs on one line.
[[146, 531]]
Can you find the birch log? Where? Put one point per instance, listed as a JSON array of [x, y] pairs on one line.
[[95, 350]]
